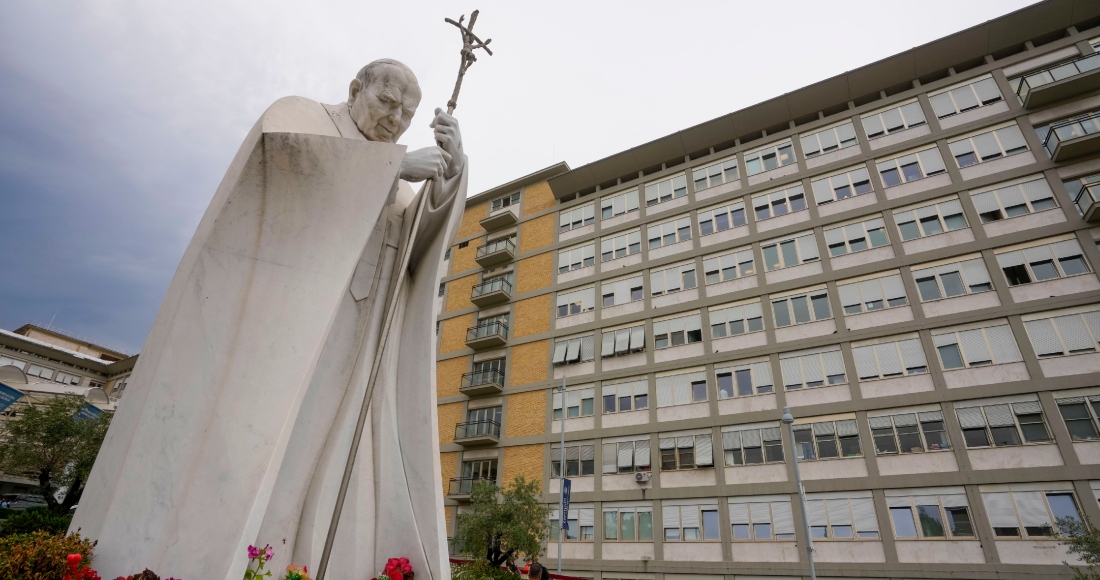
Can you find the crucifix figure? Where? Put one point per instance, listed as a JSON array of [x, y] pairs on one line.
[[286, 392]]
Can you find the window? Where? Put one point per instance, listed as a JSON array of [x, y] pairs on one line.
[[755, 520], [752, 446], [39, 371], [781, 202], [66, 378], [447, 254], [442, 288], [672, 279], [576, 302], [578, 403], [686, 452], [930, 220], [829, 140], [489, 326], [909, 433], [682, 389], [812, 370], [1064, 334], [827, 440], [576, 258], [580, 459], [1029, 514], [864, 235], [1083, 190], [622, 397], [841, 518], [5, 361], [930, 515], [988, 146], [735, 320], [874, 294], [666, 190], [506, 201], [482, 469], [620, 246], [841, 186], [770, 157], [987, 345], [886, 360], [735, 264], [463, 244], [677, 331], [953, 279], [720, 219], [1001, 425], [576, 218], [670, 232], [690, 523], [961, 99], [893, 120], [1014, 200], [720, 172], [1080, 414], [480, 422], [616, 205], [1066, 129], [745, 379], [581, 524], [574, 350], [628, 524], [488, 371], [792, 251], [623, 341], [801, 308], [626, 456], [911, 167], [1043, 262], [621, 291]]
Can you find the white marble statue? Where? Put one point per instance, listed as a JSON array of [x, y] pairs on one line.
[[236, 427]]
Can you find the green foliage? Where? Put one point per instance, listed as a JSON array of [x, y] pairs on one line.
[[37, 519], [49, 446], [1081, 538], [40, 556], [514, 512], [480, 571], [5, 513]]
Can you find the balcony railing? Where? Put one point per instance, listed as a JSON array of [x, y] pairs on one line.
[[491, 292], [1030, 82], [477, 429], [465, 485], [493, 247], [482, 381], [487, 330], [1068, 130], [1087, 201]]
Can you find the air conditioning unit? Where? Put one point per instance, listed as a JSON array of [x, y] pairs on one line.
[[643, 476]]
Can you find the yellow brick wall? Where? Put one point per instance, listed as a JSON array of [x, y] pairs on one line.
[[532, 273], [449, 416], [458, 293], [525, 460], [462, 259], [448, 463], [448, 375], [449, 516], [526, 414], [532, 316], [537, 233], [453, 334], [529, 362], [471, 219], [538, 197]]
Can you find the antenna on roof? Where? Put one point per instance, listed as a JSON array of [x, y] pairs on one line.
[[50, 325]]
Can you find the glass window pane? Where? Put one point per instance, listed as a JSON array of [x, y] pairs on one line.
[[959, 521], [931, 525], [628, 525], [903, 522], [645, 526], [951, 357]]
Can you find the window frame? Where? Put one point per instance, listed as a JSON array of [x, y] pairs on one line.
[[920, 213], [579, 265], [942, 511], [787, 198], [1085, 318], [875, 224], [573, 223], [883, 294], [756, 369], [891, 345], [989, 347], [738, 255], [674, 191], [746, 310], [708, 180], [817, 145], [711, 216], [776, 150], [630, 288], [574, 297], [965, 145], [680, 458], [658, 279], [796, 240], [901, 109], [627, 246], [555, 464], [560, 405], [609, 202], [969, 277], [1020, 433], [505, 201], [826, 379], [969, 87], [919, 419], [637, 511], [679, 225], [818, 437], [639, 391], [580, 350], [786, 519], [980, 199], [787, 299], [1021, 529], [769, 441], [1092, 412], [1055, 253], [827, 192], [923, 158]]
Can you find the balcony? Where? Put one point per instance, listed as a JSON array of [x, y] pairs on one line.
[[491, 292], [482, 383], [1059, 82], [487, 335], [477, 433], [496, 253], [1072, 138], [1088, 201], [461, 487], [502, 218]]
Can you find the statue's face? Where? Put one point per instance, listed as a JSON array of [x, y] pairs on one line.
[[384, 109]]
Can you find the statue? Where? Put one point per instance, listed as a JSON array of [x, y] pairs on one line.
[[242, 412]]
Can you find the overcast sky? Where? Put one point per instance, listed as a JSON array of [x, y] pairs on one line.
[[118, 119]]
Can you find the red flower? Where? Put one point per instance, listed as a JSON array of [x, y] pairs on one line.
[[74, 559], [395, 575], [404, 561]]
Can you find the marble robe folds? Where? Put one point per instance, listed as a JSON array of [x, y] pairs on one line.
[[236, 426]]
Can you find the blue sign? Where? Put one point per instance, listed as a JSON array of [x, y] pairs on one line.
[[566, 488], [8, 396], [87, 412]]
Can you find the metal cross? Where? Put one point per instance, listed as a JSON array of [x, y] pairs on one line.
[[470, 43]]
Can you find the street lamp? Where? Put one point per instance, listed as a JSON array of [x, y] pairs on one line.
[[788, 420], [562, 516]]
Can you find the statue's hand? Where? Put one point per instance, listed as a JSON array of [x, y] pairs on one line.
[[449, 137], [426, 163]]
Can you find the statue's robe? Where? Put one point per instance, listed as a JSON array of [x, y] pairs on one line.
[[240, 414]]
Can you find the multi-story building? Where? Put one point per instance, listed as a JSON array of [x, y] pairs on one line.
[[904, 255]]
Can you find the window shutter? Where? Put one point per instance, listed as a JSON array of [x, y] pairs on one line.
[[912, 354], [685, 442], [681, 390], [588, 452], [1036, 190], [608, 347], [731, 440], [664, 392], [974, 272], [974, 346], [573, 399], [847, 428], [770, 434], [761, 374], [1011, 138], [555, 453], [986, 145], [1032, 507], [703, 453], [760, 512], [1093, 319], [807, 248], [880, 422], [824, 428], [970, 417], [839, 512], [985, 202], [559, 351], [573, 354], [942, 104], [750, 438], [987, 90], [792, 371], [1043, 338], [1003, 344], [641, 387], [944, 339], [557, 400], [950, 207], [811, 367], [849, 295], [1037, 253], [690, 515], [1026, 407], [834, 236], [739, 513], [1075, 335], [588, 348], [833, 361], [815, 512], [888, 358], [586, 516], [823, 192], [1066, 249], [622, 341], [926, 211], [931, 161], [641, 453], [782, 518], [656, 282], [754, 310], [692, 323], [670, 514], [609, 455], [999, 416], [572, 453], [637, 338], [668, 443], [863, 512], [626, 454], [866, 365], [1009, 259], [930, 416], [998, 507], [954, 500], [905, 420], [904, 216]]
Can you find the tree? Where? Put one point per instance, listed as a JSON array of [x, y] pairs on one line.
[[504, 523], [1081, 538], [49, 444]]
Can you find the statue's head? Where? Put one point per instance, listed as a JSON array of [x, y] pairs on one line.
[[382, 99]]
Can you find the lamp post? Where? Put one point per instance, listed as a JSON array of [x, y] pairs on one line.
[[562, 516], [788, 420]]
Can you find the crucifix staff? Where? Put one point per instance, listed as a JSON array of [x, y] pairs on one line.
[[470, 43]]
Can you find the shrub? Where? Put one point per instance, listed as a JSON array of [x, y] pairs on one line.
[[480, 571], [34, 520], [6, 513], [40, 556]]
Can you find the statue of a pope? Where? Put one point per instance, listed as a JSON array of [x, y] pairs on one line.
[[238, 421]]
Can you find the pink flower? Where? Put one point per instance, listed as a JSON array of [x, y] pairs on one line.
[[269, 553], [253, 553], [403, 561]]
